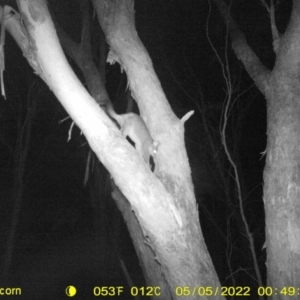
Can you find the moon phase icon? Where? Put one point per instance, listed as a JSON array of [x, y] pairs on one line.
[[71, 291]]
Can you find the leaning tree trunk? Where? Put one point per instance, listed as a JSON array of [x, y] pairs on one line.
[[163, 202]]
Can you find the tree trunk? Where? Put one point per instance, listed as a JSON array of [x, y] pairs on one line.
[[282, 172], [163, 202]]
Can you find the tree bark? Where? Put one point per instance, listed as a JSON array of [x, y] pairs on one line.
[[282, 171], [163, 202]]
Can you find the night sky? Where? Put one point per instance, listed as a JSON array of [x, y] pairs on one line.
[[58, 225]]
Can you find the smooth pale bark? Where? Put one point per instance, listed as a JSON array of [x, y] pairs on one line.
[[163, 203], [182, 245]]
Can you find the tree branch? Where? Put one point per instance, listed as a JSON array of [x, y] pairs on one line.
[[258, 72]]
